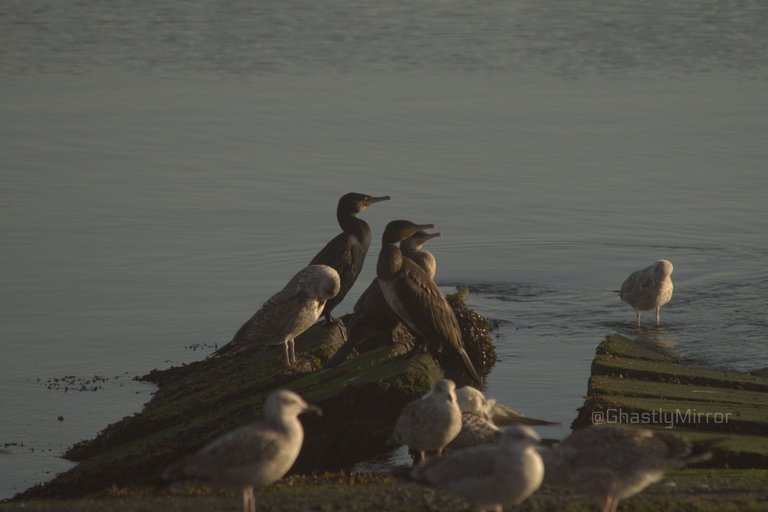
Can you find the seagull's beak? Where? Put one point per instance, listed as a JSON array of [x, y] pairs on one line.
[[313, 408]]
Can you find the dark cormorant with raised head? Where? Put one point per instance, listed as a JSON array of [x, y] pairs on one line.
[[346, 252], [415, 298], [371, 311]]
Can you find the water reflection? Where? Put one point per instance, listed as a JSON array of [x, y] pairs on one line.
[[658, 338]]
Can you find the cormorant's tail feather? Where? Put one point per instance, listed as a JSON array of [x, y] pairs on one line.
[[469, 366], [341, 354]]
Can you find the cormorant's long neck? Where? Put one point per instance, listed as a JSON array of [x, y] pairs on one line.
[[353, 226], [390, 262]]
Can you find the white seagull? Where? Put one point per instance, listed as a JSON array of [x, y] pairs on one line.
[[473, 400], [614, 462], [255, 455], [649, 288], [481, 417], [489, 476], [288, 313], [430, 423]]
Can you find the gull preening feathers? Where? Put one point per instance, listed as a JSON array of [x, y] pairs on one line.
[[614, 462], [489, 476], [429, 423], [649, 288], [288, 313], [255, 455], [481, 417], [471, 399]]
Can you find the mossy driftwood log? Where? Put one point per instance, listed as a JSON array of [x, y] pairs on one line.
[[635, 383], [195, 403]]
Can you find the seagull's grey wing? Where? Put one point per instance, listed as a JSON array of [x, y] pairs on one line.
[[459, 467], [502, 415], [610, 446], [476, 430], [271, 322], [246, 446], [412, 421], [639, 283]]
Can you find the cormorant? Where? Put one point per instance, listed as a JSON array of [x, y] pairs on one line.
[[288, 313], [415, 298], [412, 247], [371, 311], [649, 288], [255, 455], [346, 252]]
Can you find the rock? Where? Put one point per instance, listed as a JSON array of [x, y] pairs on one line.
[[194, 403]]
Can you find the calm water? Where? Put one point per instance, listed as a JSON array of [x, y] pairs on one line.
[[167, 166]]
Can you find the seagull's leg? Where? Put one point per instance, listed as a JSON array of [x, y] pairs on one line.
[[246, 506], [292, 341], [658, 316], [287, 357], [638, 317], [253, 499], [607, 503], [615, 504]]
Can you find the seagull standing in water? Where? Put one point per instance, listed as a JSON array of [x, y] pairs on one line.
[[489, 476], [649, 288], [252, 456], [614, 461], [429, 423], [288, 313]]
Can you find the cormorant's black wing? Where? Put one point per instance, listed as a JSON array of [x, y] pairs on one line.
[[429, 311], [336, 254]]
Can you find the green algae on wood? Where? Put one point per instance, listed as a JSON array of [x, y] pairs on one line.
[[633, 383], [195, 403]]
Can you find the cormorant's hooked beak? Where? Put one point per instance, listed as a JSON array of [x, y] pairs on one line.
[[372, 200], [313, 408]]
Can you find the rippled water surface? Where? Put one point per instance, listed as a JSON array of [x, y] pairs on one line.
[[167, 166]]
